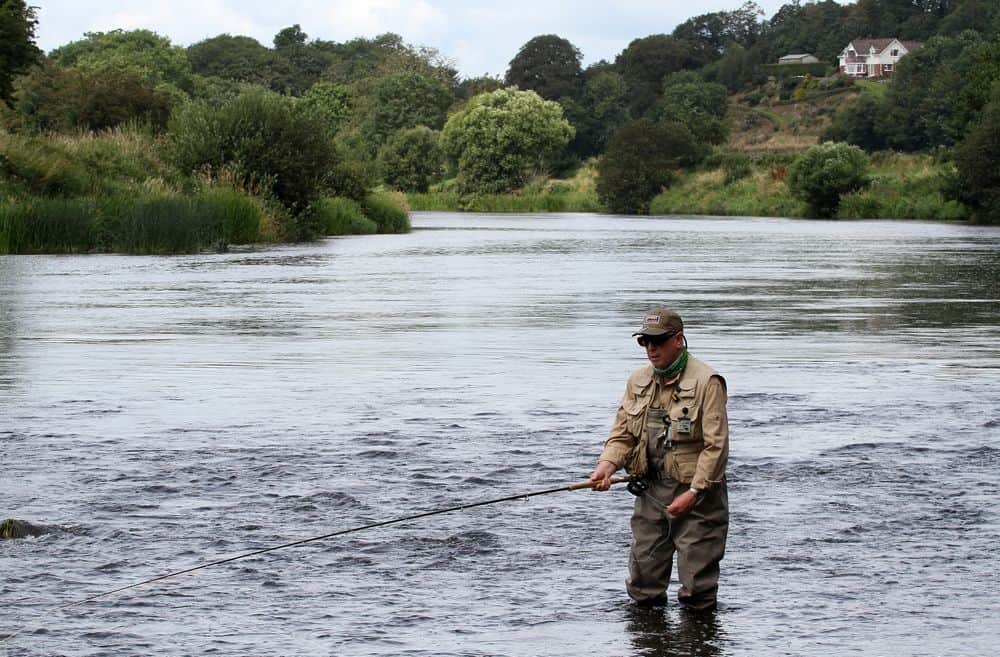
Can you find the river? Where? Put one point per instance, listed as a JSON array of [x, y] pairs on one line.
[[161, 412]]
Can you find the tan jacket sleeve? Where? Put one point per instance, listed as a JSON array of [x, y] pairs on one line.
[[620, 441], [715, 434]]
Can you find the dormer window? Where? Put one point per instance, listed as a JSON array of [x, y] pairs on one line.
[[895, 52]]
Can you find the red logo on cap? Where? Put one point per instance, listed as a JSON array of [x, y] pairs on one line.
[[651, 319]]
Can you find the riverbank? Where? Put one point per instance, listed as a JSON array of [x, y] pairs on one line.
[[114, 192], [902, 186]]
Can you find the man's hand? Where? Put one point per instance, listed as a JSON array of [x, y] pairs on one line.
[[682, 504], [602, 475]]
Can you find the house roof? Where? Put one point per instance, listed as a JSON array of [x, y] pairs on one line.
[[865, 45]]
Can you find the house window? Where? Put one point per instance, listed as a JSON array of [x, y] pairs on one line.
[[887, 68], [895, 52]]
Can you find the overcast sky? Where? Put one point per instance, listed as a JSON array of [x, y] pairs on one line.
[[481, 37]]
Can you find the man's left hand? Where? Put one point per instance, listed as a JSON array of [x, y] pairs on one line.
[[682, 504]]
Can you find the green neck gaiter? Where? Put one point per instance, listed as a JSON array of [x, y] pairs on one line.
[[675, 367]]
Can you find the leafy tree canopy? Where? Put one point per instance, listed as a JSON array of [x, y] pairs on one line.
[[411, 159], [290, 37], [821, 174], [978, 162], [645, 63], [548, 65], [330, 102], [141, 53], [708, 35], [699, 105], [17, 43], [640, 161], [406, 100], [231, 57], [499, 139]]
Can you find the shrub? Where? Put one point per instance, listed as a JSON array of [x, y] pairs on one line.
[[342, 216], [44, 225], [978, 162], [639, 162], [821, 174], [411, 159], [267, 138], [386, 213]]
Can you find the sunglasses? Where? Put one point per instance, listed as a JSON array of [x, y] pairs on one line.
[[654, 340]]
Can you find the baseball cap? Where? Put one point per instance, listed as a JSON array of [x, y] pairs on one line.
[[660, 322]]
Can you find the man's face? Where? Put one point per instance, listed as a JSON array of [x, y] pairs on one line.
[[662, 351]]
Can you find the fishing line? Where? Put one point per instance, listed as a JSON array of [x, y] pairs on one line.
[[342, 532]]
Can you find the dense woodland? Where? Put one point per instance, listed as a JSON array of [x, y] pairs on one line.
[[307, 131]]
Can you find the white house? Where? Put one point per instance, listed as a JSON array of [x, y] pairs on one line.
[[874, 58]]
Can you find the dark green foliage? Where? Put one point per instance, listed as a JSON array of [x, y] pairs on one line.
[[600, 111], [479, 85], [290, 37], [861, 122], [940, 90], [231, 57], [109, 99], [159, 224], [708, 35], [785, 71], [141, 53], [978, 162], [699, 105], [644, 65], [269, 140], [548, 65], [819, 28], [639, 163], [17, 43], [331, 103], [405, 100], [821, 174], [342, 216], [411, 159], [387, 215], [44, 225]]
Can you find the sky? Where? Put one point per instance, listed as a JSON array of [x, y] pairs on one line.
[[479, 37]]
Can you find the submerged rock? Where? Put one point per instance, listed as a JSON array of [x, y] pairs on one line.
[[13, 528]]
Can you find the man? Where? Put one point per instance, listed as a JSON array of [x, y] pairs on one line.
[[671, 432]]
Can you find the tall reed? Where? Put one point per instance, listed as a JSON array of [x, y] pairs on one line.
[[47, 225]]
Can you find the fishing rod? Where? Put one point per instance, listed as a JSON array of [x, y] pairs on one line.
[[394, 521]]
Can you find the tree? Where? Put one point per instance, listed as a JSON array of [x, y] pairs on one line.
[[141, 53], [330, 102], [645, 63], [640, 163], [940, 90], [268, 140], [700, 105], [500, 138], [821, 174], [548, 65], [860, 122], [231, 57], [290, 37], [600, 111], [17, 43], [411, 159], [709, 35], [405, 100], [978, 162]]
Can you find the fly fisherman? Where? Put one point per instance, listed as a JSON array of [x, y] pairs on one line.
[[671, 433]]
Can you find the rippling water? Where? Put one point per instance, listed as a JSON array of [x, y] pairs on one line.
[[163, 412]]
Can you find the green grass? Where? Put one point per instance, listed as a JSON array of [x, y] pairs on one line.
[[48, 225], [877, 89], [342, 216]]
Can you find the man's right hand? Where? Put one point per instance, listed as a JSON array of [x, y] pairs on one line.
[[602, 475]]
